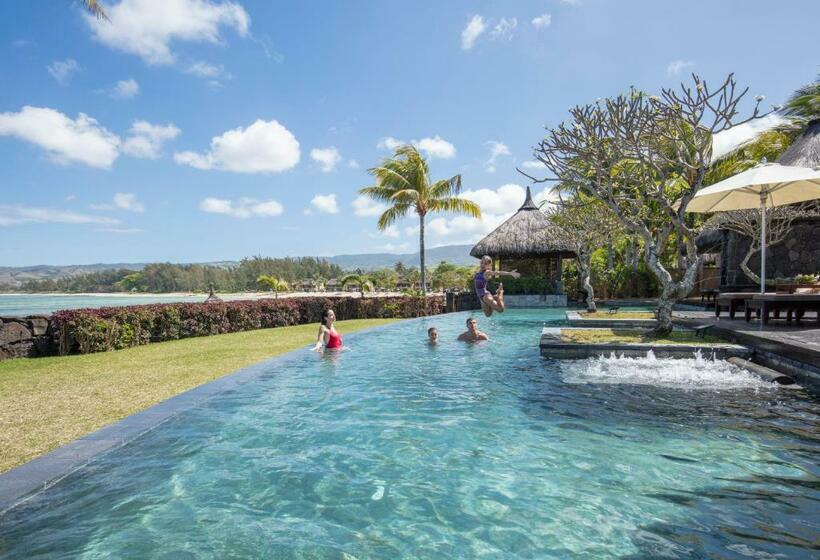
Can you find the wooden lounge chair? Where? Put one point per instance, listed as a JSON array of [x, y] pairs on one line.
[[732, 300], [795, 306]]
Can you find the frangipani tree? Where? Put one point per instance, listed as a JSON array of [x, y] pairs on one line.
[[644, 157], [587, 225], [273, 284], [403, 183]]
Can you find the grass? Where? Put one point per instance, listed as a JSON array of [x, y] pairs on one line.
[[627, 336], [644, 315], [47, 402]]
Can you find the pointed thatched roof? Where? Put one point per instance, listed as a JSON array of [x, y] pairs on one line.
[[528, 233], [805, 150]]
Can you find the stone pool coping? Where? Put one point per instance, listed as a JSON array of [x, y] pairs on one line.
[[552, 346], [23, 483], [575, 320]]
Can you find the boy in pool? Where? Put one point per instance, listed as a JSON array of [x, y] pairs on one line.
[[490, 302], [432, 336], [472, 334]]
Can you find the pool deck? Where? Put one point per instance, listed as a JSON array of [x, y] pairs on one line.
[[798, 347]]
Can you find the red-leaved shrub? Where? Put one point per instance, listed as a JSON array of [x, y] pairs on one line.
[[110, 328]]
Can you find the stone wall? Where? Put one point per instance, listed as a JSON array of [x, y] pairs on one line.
[[551, 300], [26, 337], [799, 254]]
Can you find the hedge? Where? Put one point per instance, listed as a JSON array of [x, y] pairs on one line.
[[85, 331]]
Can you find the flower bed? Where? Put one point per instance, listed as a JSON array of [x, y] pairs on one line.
[[85, 331]]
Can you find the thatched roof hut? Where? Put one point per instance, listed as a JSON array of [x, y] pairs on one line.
[[527, 242], [528, 233], [805, 150]]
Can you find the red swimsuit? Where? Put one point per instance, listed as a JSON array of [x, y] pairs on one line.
[[334, 340]]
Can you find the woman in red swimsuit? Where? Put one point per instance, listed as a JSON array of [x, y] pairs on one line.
[[327, 334]]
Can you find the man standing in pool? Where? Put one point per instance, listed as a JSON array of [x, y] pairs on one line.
[[490, 302], [472, 334]]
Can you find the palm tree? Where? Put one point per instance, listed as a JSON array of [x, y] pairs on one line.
[[273, 283], [804, 104], [403, 182], [365, 285], [95, 9]]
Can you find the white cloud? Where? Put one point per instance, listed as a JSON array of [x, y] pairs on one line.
[[147, 28], [81, 140], [16, 215], [496, 207], [129, 202], [389, 143], [125, 89], [391, 231], [243, 208], [120, 230], [263, 147], [204, 70], [352, 164], [475, 27], [327, 158], [146, 139], [542, 21], [61, 70], [365, 206], [504, 29], [123, 201], [325, 203], [729, 140], [676, 66], [497, 149], [436, 147]]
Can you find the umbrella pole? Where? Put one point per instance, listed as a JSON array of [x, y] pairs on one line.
[[763, 242]]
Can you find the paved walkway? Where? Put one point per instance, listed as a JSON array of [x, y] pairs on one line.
[[801, 344]]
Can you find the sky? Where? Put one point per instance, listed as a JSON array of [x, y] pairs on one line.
[[208, 130]]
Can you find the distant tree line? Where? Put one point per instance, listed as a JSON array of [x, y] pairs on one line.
[[167, 277]]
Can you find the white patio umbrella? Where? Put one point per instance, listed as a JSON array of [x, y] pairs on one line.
[[764, 186]]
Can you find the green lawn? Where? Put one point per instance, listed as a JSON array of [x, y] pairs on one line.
[[628, 336], [617, 315], [47, 402]]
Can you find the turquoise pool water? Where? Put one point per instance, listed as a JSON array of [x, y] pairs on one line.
[[393, 450]]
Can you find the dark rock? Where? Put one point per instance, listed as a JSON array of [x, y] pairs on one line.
[[12, 331], [24, 349]]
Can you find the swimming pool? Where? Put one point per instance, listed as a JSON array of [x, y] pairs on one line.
[[393, 449]]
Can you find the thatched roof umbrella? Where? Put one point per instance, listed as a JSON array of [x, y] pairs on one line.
[[805, 150], [528, 233]]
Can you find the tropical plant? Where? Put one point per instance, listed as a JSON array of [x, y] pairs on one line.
[[403, 182], [804, 104], [360, 280], [645, 157], [273, 284], [587, 225], [95, 8]]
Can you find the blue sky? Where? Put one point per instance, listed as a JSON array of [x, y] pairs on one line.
[[194, 130]]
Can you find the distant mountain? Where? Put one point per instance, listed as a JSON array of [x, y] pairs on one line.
[[456, 254], [14, 276]]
